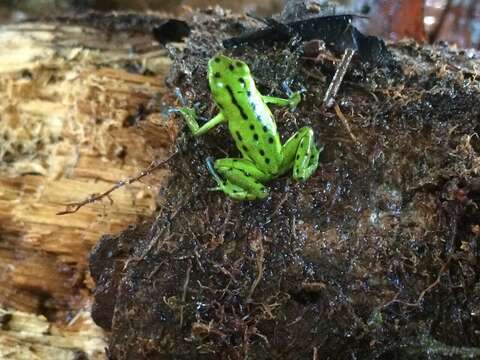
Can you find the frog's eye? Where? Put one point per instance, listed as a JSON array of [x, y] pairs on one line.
[[239, 64]]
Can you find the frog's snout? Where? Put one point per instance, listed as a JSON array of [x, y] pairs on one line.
[[219, 63], [225, 66], [220, 59]]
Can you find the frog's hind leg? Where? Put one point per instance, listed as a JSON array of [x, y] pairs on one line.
[[301, 153], [243, 181]]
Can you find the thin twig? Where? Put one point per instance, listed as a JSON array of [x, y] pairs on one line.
[[279, 205], [435, 283], [74, 207], [420, 298], [225, 223], [259, 260], [345, 123], [185, 288], [329, 99]]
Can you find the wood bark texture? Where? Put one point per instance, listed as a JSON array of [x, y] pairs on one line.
[[76, 117]]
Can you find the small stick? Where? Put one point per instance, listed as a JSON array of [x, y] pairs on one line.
[[259, 260], [332, 90], [345, 123], [74, 207], [184, 294]]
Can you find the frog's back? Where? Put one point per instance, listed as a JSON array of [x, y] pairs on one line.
[[250, 121]]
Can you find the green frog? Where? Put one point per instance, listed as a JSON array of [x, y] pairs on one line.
[[254, 131]]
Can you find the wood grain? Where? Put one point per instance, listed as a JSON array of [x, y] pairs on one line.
[[72, 123]]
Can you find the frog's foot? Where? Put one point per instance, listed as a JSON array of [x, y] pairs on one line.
[[301, 153], [242, 179], [191, 118], [186, 112], [294, 97]]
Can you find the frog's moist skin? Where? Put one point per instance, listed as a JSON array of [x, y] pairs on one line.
[[254, 131]]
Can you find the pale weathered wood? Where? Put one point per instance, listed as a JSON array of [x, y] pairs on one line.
[[29, 337], [66, 105]]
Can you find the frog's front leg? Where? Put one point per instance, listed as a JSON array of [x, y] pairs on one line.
[[243, 181], [191, 119], [292, 101], [301, 153]]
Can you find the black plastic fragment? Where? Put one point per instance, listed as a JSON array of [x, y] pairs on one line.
[[336, 31], [171, 30]]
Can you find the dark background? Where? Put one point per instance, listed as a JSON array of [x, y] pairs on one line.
[[424, 20]]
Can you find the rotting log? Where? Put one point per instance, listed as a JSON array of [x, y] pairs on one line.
[[80, 110], [375, 256]]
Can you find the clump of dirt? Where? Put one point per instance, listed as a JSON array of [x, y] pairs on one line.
[[376, 255]]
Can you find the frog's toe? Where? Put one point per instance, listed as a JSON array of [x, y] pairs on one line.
[[299, 176], [187, 112], [173, 111], [216, 188], [295, 99], [180, 97], [302, 175]]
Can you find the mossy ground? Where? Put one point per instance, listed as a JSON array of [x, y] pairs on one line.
[[375, 256]]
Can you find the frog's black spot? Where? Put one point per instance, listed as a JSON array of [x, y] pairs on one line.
[[239, 64], [262, 152], [235, 160], [239, 136], [265, 128], [249, 93], [270, 140], [252, 127], [231, 67], [298, 156], [267, 160], [235, 191], [217, 75], [255, 137], [220, 106], [241, 81], [312, 156], [217, 60], [245, 148]]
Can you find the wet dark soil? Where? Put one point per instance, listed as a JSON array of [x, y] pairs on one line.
[[376, 256]]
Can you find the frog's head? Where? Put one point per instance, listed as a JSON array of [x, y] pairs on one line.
[[226, 74]]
